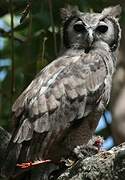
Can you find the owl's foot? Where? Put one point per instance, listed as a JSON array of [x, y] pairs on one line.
[[68, 162], [91, 148], [30, 164]]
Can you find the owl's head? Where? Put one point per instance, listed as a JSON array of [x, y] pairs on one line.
[[81, 29]]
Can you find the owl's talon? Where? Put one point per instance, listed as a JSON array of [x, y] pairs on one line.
[[78, 153], [91, 148], [69, 162]]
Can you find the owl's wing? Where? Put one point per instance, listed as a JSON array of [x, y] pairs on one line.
[[62, 92]]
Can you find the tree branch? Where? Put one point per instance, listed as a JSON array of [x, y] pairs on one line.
[[105, 165]]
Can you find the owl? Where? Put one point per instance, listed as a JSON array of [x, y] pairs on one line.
[[61, 107]]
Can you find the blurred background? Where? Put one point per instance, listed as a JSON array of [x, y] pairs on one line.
[[31, 37]]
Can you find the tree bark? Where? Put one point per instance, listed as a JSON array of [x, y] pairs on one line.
[[104, 165]]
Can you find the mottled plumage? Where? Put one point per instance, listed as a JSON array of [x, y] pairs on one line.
[[61, 107]]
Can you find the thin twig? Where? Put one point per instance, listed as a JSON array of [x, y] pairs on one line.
[[8, 34], [53, 27], [30, 20], [25, 12], [43, 48], [12, 52], [31, 69]]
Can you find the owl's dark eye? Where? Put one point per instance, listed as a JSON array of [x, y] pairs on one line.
[[102, 28], [79, 27]]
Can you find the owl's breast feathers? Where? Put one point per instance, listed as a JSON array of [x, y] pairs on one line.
[[68, 89]]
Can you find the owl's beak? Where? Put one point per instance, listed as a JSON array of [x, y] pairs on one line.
[[90, 37]]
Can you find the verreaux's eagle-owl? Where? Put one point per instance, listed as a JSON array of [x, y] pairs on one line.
[[61, 107]]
